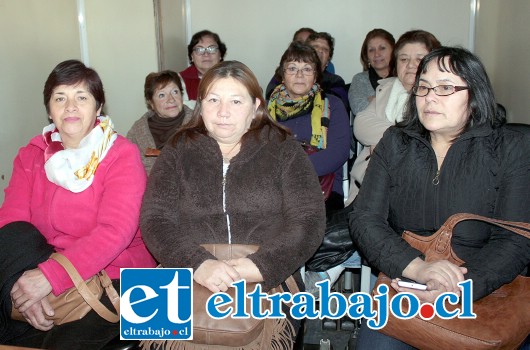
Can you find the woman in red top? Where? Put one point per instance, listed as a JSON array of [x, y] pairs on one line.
[[204, 51]]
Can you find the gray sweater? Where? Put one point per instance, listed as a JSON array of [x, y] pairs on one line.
[[360, 90]]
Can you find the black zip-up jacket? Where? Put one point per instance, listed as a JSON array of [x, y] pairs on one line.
[[486, 172]]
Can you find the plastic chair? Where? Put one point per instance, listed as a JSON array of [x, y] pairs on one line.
[[354, 262]]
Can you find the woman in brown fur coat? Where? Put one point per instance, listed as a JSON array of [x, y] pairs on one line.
[[233, 176]]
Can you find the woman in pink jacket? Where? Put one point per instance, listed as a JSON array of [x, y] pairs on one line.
[[77, 190]]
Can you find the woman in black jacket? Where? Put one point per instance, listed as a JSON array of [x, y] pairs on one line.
[[451, 154]]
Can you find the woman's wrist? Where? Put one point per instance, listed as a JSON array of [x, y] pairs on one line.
[[413, 268]]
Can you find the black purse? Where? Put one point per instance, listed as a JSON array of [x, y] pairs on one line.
[[337, 245]]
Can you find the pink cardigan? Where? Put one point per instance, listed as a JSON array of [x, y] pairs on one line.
[[95, 229]]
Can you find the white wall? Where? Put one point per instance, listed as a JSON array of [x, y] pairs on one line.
[[504, 46], [122, 48], [173, 40], [35, 35], [258, 32]]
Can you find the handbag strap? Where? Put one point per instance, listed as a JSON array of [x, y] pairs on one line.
[[113, 295], [291, 285], [521, 228], [85, 292]]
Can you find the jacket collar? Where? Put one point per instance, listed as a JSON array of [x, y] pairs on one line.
[[479, 131]]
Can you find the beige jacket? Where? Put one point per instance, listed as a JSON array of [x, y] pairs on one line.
[[369, 126]]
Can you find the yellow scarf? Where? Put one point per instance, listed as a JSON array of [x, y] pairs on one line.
[[282, 107]]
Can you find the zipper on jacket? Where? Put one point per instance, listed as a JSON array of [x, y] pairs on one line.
[[225, 171], [436, 190], [436, 179]]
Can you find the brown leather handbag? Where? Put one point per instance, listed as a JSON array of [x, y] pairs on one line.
[[76, 302], [232, 333], [503, 317]]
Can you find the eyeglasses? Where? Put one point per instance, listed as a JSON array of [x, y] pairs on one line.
[[202, 50], [307, 71], [440, 90]]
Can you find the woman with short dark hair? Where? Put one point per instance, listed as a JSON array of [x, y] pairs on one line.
[[76, 189], [205, 50], [452, 154], [318, 120], [166, 114], [331, 83]]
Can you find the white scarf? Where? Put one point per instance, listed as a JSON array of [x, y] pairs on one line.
[[74, 168], [396, 102]]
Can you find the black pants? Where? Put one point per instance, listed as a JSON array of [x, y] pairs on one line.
[[23, 248]]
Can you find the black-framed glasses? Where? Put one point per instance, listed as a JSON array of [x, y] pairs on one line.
[[307, 71], [440, 90], [203, 50]]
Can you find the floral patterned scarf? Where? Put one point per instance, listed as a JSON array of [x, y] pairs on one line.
[[74, 168], [282, 107]]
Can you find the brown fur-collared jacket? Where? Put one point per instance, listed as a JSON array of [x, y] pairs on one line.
[[273, 198]]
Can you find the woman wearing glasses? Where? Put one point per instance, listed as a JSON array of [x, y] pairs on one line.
[[316, 119], [331, 83], [451, 154], [319, 122], [205, 50], [391, 94]]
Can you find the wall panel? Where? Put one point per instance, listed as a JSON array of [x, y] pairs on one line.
[[35, 35], [257, 33]]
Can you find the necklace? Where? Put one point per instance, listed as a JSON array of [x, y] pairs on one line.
[[226, 156]]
